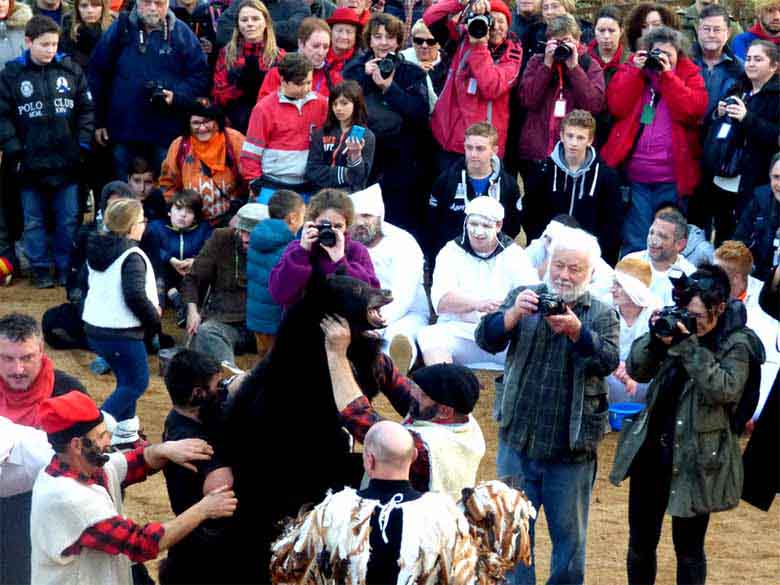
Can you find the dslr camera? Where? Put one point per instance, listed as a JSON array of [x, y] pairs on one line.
[[666, 324], [550, 304], [653, 62], [562, 52], [155, 93], [478, 25], [387, 65], [730, 101], [326, 237]]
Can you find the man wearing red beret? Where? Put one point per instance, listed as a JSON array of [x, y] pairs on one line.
[[79, 535]]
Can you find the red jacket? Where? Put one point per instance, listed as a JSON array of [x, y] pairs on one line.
[[583, 89], [686, 96], [457, 109]]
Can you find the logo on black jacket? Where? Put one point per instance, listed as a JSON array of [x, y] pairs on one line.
[[26, 88], [62, 85]]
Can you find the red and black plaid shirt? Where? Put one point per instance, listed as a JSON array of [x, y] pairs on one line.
[[359, 416], [115, 535]]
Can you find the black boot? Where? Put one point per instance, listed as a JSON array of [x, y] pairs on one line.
[[641, 567], [691, 570]]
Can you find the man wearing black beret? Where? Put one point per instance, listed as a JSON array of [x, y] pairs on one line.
[[436, 402]]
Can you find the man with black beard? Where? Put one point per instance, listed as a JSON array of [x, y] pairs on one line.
[[78, 531], [436, 402], [193, 382]]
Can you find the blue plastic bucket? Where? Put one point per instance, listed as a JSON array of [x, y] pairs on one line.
[[620, 410]]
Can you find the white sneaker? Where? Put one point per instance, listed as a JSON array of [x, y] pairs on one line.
[[126, 432], [402, 353]]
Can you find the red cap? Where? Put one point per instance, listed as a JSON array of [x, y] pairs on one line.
[[344, 16], [66, 411], [499, 6]]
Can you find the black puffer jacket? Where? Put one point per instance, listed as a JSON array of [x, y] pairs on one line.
[[46, 117], [757, 229]]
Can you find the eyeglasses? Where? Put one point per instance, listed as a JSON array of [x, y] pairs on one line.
[[714, 30], [203, 124], [421, 41]]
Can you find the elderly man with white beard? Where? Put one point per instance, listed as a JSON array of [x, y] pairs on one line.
[[552, 407]]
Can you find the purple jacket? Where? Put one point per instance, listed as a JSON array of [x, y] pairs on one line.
[[291, 275]]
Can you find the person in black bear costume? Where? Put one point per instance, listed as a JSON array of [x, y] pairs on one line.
[[285, 440]]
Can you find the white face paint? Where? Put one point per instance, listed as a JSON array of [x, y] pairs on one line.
[[483, 233]]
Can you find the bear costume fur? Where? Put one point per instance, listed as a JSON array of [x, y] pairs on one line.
[[285, 440]]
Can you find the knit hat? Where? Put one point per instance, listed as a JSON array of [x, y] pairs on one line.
[[449, 384], [250, 215], [71, 415], [369, 201], [486, 207], [344, 16], [499, 6]]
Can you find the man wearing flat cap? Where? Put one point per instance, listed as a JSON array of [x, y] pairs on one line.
[[79, 535], [436, 402], [218, 327], [473, 274]]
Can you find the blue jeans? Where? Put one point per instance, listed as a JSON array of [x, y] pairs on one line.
[[646, 198], [127, 358], [125, 152], [563, 489], [64, 202]]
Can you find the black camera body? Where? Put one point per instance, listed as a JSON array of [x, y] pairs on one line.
[[563, 52], [666, 323], [653, 63], [387, 65], [550, 304], [731, 101], [478, 25], [155, 93], [326, 237]]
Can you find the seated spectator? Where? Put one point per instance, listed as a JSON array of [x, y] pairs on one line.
[[691, 17], [43, 134], [82, 29], [760, 222], [479, 172], [398, 116], [142, 179], [244, 62], [277, 143], [179, 240], [338, 159], [535, 39], [286, 16], [121, 308], [554, 85], [655, 136], [144, 71], [737, 262], [574, 180], [216, 324], [643, 18], [398, 262], [474, 273], [291, 274], [698, 250], [482, 73], [205, 159], [313, 44], [527, 14], [635, 304], [609, 51], [15, 16], [427, 53], [193, 384], [766, 27], [345, 29], [666, 240], [538, 252], [747, 117], [269, 238], [197, 15]]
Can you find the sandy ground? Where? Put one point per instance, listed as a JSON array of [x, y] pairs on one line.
[[743, 545]]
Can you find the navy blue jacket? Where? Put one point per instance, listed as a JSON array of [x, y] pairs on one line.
[[179, 244], [757, 229], [266, 245], [122, 65]]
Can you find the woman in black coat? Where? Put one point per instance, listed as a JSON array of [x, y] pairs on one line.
[[397, 104]]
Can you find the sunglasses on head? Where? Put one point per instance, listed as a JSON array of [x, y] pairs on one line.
[[422, 41]]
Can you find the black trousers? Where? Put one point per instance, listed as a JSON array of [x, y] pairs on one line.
[[15, 539], [648, 496]]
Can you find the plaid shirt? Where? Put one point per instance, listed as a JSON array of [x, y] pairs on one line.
[[115, 535], [359, 416]]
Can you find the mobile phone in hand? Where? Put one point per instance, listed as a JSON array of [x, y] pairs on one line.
[[357, 132]]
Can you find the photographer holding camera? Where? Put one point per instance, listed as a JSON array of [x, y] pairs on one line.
[[680, 452], [551, 406], [325, 246]]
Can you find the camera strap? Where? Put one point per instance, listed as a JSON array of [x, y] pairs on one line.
[[559, 109], [648, 110]]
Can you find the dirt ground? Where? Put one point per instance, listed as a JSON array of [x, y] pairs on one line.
[[743, 545]]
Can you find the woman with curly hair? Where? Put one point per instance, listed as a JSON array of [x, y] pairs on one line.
[[646, 16]]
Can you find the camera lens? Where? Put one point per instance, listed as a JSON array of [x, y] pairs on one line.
[[478, 27], [562, 53]]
